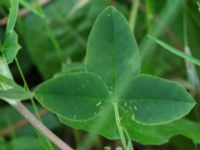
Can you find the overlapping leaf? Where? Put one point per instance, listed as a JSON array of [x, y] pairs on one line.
[[78, 96], [141, 133], [9, 90]]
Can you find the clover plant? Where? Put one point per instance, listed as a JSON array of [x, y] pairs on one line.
[[111, 88], [109, 96]]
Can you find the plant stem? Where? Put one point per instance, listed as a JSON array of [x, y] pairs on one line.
[[117, 119], [46, 143], [27, 88], [133, 13], [149, 13], [38, 125], [190, 68]]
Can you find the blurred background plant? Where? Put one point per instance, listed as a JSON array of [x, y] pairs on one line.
[[53, 36]]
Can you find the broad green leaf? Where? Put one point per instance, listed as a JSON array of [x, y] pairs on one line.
[[151, 135], [175, 51], [152, 100], [10, 46], [161, 133], [112, 51], [78, 96]]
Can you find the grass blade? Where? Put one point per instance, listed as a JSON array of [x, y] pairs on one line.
[[175, 51]]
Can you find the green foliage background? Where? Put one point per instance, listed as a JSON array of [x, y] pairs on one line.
[[56, 45]]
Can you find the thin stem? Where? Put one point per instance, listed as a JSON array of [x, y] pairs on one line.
[[27, 88], [120, 129], [49, 145], [149, 13], [191, 70], [133, 14], [38, 125]]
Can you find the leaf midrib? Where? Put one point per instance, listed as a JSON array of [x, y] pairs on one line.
[[153, 99], [69, 95], [114, 72]]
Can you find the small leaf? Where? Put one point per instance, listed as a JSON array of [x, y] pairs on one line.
[[10, 46], [153, 100], [9, 90], [13, 12], [78, 96], [6, 82], [4, 69], [112, 51], [70, 68], [16, 94]]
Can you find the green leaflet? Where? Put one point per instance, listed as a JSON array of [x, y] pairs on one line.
[[78, 96], [9, 90], [113, 56], [13, 12], [10, 45], [4, 69], [16, 94], [144, 134], [112, 51], [152, 100], [69, 68]]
